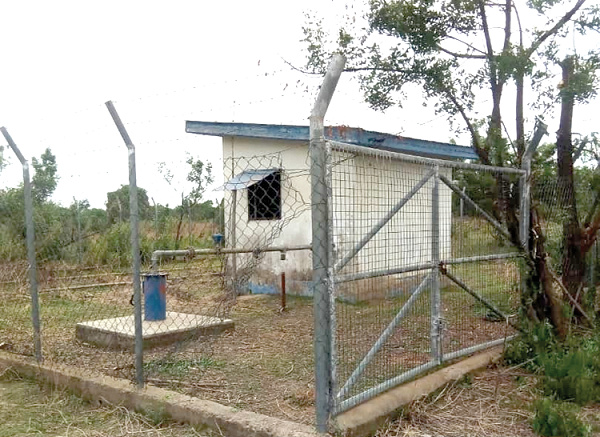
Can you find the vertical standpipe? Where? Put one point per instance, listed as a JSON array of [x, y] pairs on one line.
[[155, 296], [322, 273]]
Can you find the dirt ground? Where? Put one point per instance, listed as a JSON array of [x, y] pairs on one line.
[[264, 365], [496, 402]]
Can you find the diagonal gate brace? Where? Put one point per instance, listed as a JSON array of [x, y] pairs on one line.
[[378, 226], [477, 208], [388, 331], [480, 298]]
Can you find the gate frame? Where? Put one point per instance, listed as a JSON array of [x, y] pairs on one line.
[[338, 402]]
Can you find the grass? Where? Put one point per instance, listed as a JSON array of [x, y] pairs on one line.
[[26, 409], [266, 363], [173, 367]]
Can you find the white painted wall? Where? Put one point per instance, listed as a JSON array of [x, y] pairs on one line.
[[365, 189], [292, 158]]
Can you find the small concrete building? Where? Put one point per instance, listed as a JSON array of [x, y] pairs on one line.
[[267, 200]]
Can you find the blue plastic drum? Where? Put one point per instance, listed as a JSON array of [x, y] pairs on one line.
[[155, 296]]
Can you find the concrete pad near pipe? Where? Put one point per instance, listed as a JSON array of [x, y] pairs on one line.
[[119, 332]]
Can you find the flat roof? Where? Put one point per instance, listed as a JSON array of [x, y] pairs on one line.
[[351, 135]]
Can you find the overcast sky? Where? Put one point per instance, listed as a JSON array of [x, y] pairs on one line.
[[162, 63]]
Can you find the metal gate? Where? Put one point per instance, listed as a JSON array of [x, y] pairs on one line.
[[418, 268]]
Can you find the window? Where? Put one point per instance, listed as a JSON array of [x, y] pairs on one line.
[[264, 198]]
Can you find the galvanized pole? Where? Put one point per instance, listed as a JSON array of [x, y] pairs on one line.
[[30, 237], [135, 246], [233, 235], [525, 183], [79, 246], [436, 305], [321, 241]]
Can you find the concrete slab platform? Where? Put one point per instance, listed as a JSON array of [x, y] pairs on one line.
[[119, 332]]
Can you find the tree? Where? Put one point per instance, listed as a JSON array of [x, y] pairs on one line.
[[45, 178], [463, 52], [200, 176], [117, 205]]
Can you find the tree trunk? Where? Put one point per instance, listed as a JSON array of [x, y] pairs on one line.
[[540, 300], [573, 265]]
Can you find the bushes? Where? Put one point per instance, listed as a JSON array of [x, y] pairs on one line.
[[113, 247], [556, 418], [569, 377]]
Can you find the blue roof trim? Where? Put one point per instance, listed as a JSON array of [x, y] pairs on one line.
[[352, 135]]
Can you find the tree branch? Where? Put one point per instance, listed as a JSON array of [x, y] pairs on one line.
[[483, 154], [507, 24], [460, 55], [560, 23], [488, 44], [475, 49]]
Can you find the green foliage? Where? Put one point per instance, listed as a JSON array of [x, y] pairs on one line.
[[45, 178], [572, 372], [176, 368], [555, 418], [113, 247], [117, 205], [569, 370], [200, 175], [536, 340]]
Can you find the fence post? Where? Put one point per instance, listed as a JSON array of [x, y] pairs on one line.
[[135, 246], [79, 241], [30, 238], [525, 182], [436, 304], [321, 242]]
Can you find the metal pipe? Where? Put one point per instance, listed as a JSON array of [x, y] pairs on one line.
[[539, 132], [480, 298], [387, 332], [282, 291], [385, 272], [30, 240], [384, 386], [407, 376], [322, 281], [135, 246], [430, 162], [234, 242], [525, 185], [467, 199], [479, 347], [473, 259], [352, 253], [191, 253], [330, 277], [436, 298]]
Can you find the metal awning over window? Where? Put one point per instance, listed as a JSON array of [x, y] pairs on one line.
[[247, 178]]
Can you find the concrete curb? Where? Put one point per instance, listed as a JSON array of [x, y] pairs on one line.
[[364, 419], [224, 420]]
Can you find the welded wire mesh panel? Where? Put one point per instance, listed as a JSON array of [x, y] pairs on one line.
[[382, 234], [427, 265], [485, 258]]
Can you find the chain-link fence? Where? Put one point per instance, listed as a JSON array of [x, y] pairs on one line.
[[323, 275]]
